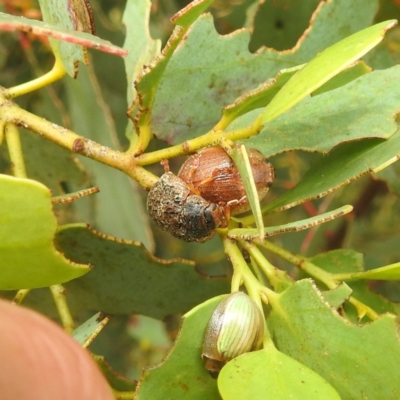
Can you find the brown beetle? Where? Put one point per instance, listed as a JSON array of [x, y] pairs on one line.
[[212, 174], [183, 214]]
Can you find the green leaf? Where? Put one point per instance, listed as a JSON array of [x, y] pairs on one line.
[[388, 273], [325, 66], [27, 228], [85, 334], [336, 297], [351, 73], [342, 165], [364, 108], [116, 380], [219, 69], [64, 39], [352, 358], [242, 162], [248, 234], [150, 77], [270, 374], [257, 98], [138, 42], [182, 374], [119, 207], [127, 279], [344, 261], [263, 95]]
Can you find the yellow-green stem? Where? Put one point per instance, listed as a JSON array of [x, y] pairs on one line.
[[123, 395], [15, 150], [317, 273], [56, 73], [277, 278], [302, 263], [20, 296], [59, 295], [212, 138], [254, 288], [11, 113]]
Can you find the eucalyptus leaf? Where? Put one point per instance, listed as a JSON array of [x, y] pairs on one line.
[[141, 47], [344, 261], [342, 165], [119, 207], [127, 279], [28, 258], [269, 373], [241, 159], [325, 66], [337, 296], [219, 69], [116, 380], [182, 374], [364, 108], [85, 333], [348, 356], [66, 41], [248, 234], [150, 77]]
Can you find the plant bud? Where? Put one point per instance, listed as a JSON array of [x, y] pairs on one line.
[[236, 327]]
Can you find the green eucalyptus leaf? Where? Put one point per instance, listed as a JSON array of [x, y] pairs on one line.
[[242, 162], [182, 374], [68, 37], [28, 258], [342, 165], [337, 296], [352, 358], [325, 66], [115, 380], [349, 74], [344, 261], [364, 108], [127, 279], [142, 48], [248, 234], [257, 98], [85, 334], [387, 273], [149, 79], [269, 373], [219, 69], [119, 207]]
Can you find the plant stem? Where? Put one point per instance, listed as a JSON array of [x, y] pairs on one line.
[[20, 296], [317, 273], [123, 395], [60, 301], [56, 73], [302, 263], [212, 138], [255, 289], [15, 150], [278, 279], [10, 112]]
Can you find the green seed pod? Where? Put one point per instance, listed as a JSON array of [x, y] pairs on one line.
[[236, 327]]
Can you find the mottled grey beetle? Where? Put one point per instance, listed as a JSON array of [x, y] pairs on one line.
[[184, 215]]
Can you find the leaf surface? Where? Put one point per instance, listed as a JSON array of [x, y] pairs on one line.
[[127, 279], [268, 373], [28, 258], [348, 356], [342, 165], [182, 374]]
